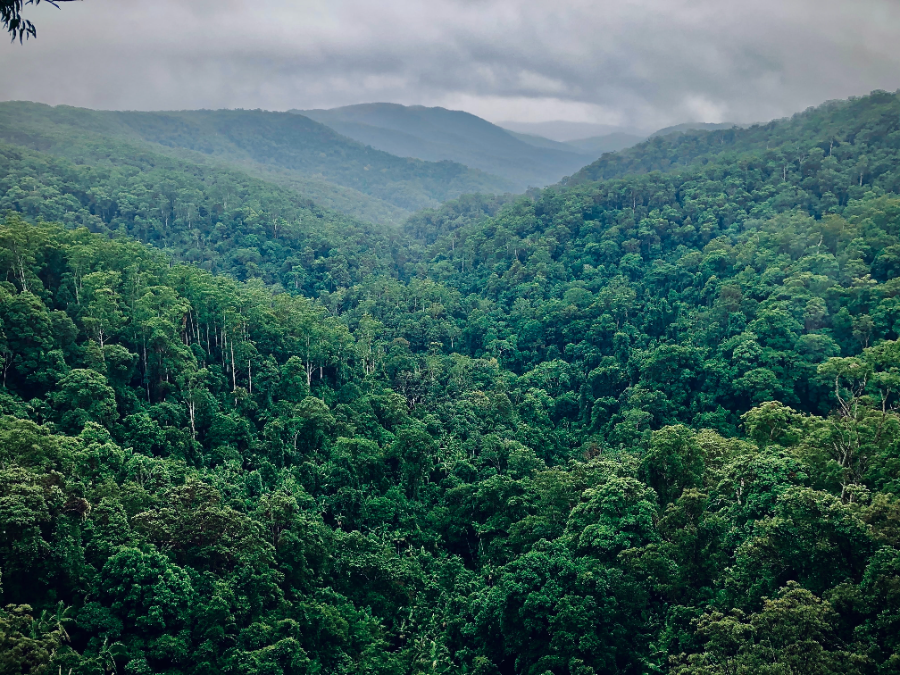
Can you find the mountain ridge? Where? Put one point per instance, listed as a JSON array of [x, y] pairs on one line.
[[297, 148], [832, 122], [589, 429], [435, 133], [564, 131]]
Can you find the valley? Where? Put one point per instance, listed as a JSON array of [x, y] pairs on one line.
[[390, 389]]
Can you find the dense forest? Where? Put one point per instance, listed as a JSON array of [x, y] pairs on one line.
[[437, 134], [220, 219], [288, 149], [645, 421], [859, 134]]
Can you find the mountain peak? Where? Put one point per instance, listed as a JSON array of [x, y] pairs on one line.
[[436, 134]]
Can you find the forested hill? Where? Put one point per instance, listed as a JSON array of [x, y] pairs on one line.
[[640, 425], [282, 147], [865, 127], [219, 219], [679, 265], [441, 134]]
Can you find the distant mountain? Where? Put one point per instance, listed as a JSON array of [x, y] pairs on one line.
[[659, 410], [541, 141], [436, 134], [563, 131], [288, 149], [692, 126], [676, 148], [597, 145]]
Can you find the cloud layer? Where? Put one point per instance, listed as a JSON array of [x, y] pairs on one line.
[[640, 63]]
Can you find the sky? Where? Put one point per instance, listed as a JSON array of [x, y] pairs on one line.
[[641, 64]]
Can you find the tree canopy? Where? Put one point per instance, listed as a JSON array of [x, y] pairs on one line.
[[642, 424]]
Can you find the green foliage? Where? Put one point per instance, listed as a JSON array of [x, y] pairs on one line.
[[673, 463], [646, 425], [853, 136], [794, 633], [284, 148], [439, 134], [27, 644], [220, 219]]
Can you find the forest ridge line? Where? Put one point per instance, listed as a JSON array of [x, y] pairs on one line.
[[644, 420]]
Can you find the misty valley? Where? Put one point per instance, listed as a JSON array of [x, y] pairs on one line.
[[386, 389]]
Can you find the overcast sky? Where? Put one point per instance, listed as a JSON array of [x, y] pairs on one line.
[[640, 63]]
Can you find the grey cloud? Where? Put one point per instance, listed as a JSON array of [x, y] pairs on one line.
[[644, 63]]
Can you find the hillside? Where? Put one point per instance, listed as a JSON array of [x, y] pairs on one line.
[[564, 131], [848, 126], [642, 424], [540, 141], [611, 140], [286, 148], [437, 134], [599, 145], [219, 219], [691, 126]]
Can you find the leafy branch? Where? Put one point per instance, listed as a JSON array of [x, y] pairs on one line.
[[14, 24]]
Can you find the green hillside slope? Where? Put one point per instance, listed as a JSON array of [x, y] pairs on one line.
[[222, 220], [438, 134], [691, 126], [279, 146], [540, 141], [850, 126], [598, 145], [564, 131], [647, 424]]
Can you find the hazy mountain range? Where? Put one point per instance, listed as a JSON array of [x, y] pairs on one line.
[[298, 443], [526, 154], [436, 134], [377, 162], [291, 150], [564, 131]]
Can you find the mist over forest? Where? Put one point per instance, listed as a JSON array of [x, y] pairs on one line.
[[579, 385]]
